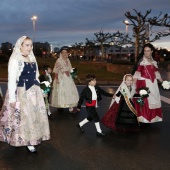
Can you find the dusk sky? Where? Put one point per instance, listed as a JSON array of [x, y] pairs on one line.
[[64, 22]]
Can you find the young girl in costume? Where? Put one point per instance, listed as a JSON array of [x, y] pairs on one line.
[[122, 115]]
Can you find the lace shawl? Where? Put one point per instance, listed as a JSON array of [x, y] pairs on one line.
[[61, 66], [125, 90], [15, 67]]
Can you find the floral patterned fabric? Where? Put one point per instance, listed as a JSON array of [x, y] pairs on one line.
[[27, 124], [64, 93]]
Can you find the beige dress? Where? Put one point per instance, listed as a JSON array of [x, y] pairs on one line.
[[64, 92]]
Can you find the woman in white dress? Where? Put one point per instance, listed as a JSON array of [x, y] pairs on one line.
[[64, 92], [23, 118]]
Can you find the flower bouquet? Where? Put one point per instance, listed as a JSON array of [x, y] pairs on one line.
[[74, 74], [45, 86], [144, 93], [166, 85]]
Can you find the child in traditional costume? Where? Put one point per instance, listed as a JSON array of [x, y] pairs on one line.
[[92, 94], [122, 115]]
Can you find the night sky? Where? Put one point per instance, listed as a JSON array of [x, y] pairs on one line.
[[64, 22]]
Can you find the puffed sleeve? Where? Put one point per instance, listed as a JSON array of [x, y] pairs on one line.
[[12, 79]]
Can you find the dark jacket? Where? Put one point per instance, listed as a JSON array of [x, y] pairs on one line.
[[87, 95]]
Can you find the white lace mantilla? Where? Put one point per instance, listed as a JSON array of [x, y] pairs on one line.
[[15, 68]]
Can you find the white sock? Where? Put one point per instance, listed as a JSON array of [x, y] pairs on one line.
[[48, 111], [31, 148], [83, 122], [98, 127]]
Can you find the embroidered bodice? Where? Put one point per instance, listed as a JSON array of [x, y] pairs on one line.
[[28, 76]]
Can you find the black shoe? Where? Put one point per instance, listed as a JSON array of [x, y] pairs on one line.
[[32, 151], [81, 129], [100, 134], [50, 116]]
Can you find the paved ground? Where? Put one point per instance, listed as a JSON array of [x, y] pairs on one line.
[[69, 149]]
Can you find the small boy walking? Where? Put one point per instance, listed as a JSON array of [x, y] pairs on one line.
[[92, 94]]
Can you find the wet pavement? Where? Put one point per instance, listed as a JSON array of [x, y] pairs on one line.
[[69, 149]]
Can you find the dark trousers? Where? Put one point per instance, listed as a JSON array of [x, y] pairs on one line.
[[92, 114]]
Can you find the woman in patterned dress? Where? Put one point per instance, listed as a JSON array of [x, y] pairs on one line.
[[23, 118], [64, 92]]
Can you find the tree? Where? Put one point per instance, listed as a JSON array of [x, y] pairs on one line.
[[77, 48], [101, 38], [89, 47], [117, 38], [140, 22], [120, 39]]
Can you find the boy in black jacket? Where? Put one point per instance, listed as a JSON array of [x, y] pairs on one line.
[[92, 94]]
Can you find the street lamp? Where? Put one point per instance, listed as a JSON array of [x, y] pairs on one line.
[[34, 18], [126, 22]]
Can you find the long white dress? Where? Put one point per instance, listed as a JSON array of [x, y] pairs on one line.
[[64, 92]]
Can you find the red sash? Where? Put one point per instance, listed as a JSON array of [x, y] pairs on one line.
[[91, 104]]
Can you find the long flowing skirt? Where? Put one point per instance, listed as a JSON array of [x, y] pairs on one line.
[[64, 94], [27, 124], [145, 114], [120, 118]]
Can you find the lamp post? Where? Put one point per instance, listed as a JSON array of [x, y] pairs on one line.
[[126, 22], [34, 18]]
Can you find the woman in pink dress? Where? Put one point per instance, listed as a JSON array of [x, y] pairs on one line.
[[146, 75]]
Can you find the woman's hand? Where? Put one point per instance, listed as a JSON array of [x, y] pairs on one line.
[[13, 105], [67, 73]]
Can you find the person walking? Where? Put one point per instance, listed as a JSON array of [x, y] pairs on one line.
[[147, 75], [64, 92], [23, 118]]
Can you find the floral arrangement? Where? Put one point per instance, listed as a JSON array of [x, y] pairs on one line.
[[144, 93], [73, 72], [74, 76], [166, 85], [45, 86]]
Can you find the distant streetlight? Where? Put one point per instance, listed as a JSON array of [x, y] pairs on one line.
[[126, 22], [34, 18]]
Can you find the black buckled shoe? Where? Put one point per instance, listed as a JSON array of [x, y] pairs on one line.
[[100, 134], [81, 129]]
